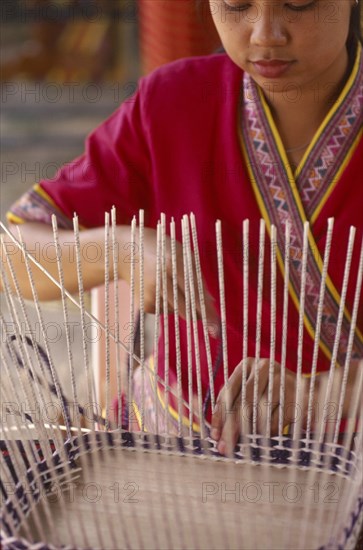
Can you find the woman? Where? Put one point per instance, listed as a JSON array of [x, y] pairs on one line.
[[272, 129]]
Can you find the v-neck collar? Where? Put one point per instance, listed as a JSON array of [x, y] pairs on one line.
[[281, 201], [331, 148]]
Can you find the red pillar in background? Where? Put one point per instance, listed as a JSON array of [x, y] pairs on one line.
[[171, 29]]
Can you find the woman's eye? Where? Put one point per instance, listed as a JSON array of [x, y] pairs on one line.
[[235, 7], [232, 6], [300, 7]]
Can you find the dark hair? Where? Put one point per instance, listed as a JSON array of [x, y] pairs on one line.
[[355, 35], [355, 26]]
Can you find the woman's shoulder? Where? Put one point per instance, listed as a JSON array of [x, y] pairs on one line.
[[198, 65], [192, 77]]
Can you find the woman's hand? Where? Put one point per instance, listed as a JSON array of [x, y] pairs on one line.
[[228, 417], [228, 422]]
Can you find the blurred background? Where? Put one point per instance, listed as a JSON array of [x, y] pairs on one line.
[[67, 64]]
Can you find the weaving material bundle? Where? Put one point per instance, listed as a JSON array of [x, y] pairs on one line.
[[74, 477]]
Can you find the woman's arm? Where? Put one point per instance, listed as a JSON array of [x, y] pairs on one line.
[[38, 239]]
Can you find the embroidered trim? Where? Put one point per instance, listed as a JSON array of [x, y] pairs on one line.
[[279, 201], [149, 405], [337, 138], [336, 178], [37, 206]]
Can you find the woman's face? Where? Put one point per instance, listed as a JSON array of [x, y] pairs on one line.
[[281, 43]]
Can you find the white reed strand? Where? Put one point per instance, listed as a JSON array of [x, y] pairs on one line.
[[195, 327], [172, 485], [322, 482], [317, 337], [199, 275], [115, 260], [164, 279], [286, 542], [272, 330], [18, 396], [107, 318], [106, 515], [352, 495], [245, 265], [297, 420], [7, 518], [232, 537], [94, 319], [177, 328], [67, 294], [316, 481], [153, 512], [14, 452], [157, 323], [69, 346], [184, 228], [22, 345], [219, 518], [13, 523], [261, 256], [354, 418], [7, 479], [339, 492], [89, 377], [164, 507], [17, 461], [66, 321], [350, 343], [222, 299], [284, 329], [40, 430], [193, 510], [95, 518], [318, 325], [83, 462], [24, 351], [89, 374], [347, 495], [142, 312], [54, 374], [338, 331], [132, 321]]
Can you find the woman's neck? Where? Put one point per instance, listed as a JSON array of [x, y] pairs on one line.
[[297, 121]]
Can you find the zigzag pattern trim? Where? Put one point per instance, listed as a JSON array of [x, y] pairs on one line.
[[275, 190]]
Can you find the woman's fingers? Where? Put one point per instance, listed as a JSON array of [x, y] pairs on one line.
[[228, 418], [180, 307], [232, 415], [288, 408], [226, 401], [230, 432]]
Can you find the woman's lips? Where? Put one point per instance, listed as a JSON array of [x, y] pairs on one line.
[[272, 68]]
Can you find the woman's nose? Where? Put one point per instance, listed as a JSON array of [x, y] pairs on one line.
[[268, 28]]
